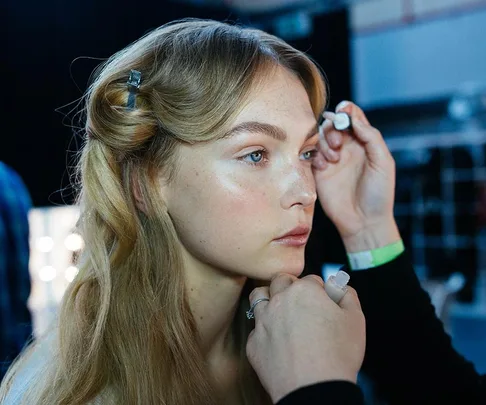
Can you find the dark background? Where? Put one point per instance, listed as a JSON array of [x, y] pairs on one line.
[[51, 50], [53, 46]]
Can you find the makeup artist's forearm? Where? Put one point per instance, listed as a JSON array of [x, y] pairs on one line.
[[374, 236]]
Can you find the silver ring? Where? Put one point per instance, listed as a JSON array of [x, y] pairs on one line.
[[250, 314]]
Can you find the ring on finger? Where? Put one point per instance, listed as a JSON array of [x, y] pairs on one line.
[[250, 314]]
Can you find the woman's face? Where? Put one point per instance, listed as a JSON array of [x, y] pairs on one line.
[[233, 198]]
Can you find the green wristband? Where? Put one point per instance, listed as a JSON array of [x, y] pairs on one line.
[[375, 257]]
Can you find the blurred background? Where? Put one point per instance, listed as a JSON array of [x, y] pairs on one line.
[[417, 68]]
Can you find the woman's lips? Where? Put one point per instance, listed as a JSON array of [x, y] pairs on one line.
[[297, 237]]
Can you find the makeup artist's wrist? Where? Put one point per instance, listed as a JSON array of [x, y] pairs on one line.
[[381, 233]]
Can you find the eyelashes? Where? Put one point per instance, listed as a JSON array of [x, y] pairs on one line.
[[256, 157], [260, 157]]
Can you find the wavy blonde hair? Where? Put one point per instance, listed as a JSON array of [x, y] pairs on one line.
[[125, 333]]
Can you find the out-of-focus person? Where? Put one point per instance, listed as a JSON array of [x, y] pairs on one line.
[[15, 318]]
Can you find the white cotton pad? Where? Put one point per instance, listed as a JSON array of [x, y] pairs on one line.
[[342, 121]]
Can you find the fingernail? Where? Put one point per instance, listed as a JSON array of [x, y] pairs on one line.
[[342, 105]]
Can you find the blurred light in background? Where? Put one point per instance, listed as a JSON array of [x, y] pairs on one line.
[[52, 260], [47, 273], [468, 103], [74, 242], [294, 25], [70, 273], [45, 244], [255, 7]]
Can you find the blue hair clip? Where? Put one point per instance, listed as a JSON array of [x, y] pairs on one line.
[[133, 86]]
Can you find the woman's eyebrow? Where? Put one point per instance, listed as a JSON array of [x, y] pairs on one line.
[[271, 130]]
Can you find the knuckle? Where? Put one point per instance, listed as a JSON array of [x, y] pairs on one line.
[[279, 276], [377, 132], [330, 155], [356, 107], [316, 278], [353, 292], [299, 287], [282, 277]]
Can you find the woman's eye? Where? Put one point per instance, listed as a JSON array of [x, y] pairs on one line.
[[259, 157], [254, 158], [310, 154]]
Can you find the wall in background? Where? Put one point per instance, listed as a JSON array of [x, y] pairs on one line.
[[407, 51]]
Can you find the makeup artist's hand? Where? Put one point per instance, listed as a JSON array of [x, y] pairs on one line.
[[355, 178], [302, 337]]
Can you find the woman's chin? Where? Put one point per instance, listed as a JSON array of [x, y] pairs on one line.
[[268, 267], [294, 267]]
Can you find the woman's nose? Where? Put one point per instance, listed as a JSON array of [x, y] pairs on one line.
[[299, 188]]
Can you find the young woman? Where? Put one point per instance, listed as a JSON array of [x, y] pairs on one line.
[[195, 180], [198, 180]]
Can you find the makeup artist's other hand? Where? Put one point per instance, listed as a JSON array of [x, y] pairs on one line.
[[302, 337], [355, 178]]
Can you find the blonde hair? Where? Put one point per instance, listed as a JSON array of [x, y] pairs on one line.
[[125, 332]]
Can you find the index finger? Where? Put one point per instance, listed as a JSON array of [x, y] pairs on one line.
[[281, 282], [353, 110], [314, 277], [329, 134]]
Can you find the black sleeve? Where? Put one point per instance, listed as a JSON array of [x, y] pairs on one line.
[[409, 356], [325, 393]]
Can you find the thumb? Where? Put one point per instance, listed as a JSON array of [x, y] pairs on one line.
[[350, 301]]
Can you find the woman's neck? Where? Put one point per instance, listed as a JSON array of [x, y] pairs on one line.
[[214, 297]]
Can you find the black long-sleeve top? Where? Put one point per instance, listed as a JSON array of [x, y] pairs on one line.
[[409, 356]]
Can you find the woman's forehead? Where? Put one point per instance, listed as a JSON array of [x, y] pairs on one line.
[[281, 93]]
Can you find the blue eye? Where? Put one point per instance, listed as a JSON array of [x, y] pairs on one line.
[[260, 157], [255, 158], [310, 154]]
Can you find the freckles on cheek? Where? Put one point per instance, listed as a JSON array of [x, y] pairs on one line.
[[232, 197], [246, 198], [248, 215]]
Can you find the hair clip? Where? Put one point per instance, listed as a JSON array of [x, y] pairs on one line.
[[133, 86]]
